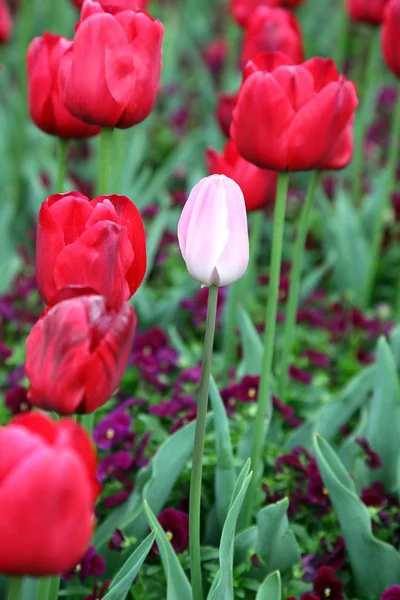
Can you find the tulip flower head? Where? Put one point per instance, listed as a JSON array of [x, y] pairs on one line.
[[46, 108], [258, 185], [225, 105], [367, 11], [77, 352], [110, 75], [98, 244], [212, 231], [48, 489], [242, 10], [294, 117], [272, 30], [6, 22], [390, 37], [129, 4]]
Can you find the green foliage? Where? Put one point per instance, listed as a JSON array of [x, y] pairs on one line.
[[271, 588]]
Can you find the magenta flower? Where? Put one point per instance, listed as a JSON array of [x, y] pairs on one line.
[[392, 593], [373, 459], [176, 526]]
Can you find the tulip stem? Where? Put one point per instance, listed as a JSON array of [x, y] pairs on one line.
[[363, 115], [43, 588], [294, 288], [87, 421], [264, 406], [197, 465], [106, 139], [62, 152], [14, 588], [54, 587]]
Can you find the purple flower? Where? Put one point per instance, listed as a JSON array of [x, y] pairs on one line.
[[327, 586], [309, 565], [392, 593], [373, 459], [229, 397], [90, 565], [112, 430], [98, 592], [247, 389], [316, 491], [117, 540], [111, 465], [374, 495], [336, 557], [299, 375], [316, 358], [5, 352], [176, 526], [16, 400], [287, 412]]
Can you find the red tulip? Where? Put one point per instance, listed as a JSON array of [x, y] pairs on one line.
[[367, 11], [6, 22], [294, 117], [225, 105], [272, 30], [258, 185], [47, 493], [110, 75], [241, 10], [45, 105], [77, 352], [129, 4], [391, 36], [98, 244]]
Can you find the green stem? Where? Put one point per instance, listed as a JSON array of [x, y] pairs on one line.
[[295, 277], [197, 466], [14, 588], [87, 421], [343, 38], [43, 588], [379, 223], [62, 152], [54, 588], [264, 407], [364, 113], [106, 144]]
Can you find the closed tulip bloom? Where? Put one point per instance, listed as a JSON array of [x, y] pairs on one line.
[[391, 37], [241, 10], [212, 231], [6, 22], [272, 30], [77, 352], [98, 244], [48, 489], [110, 75], [258, 185], [225, 105], [130, 4], [45, 105], [367, 11], [294, 117]]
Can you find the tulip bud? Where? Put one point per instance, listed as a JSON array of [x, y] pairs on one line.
[[46, 108], [212, 232], [48, 489], [258, 185], [390, 37], [241, 10], [98, 244], [367, 11], [111, 74], [127, 4], [6, 22], [76, 354]]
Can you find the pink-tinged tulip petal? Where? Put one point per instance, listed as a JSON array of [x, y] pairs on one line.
[[101, 72], [77, 353], [318, 124], [105, 256], [212, 231], [262, 139], [323, 70]]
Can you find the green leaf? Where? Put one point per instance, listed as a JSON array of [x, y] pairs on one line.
[[222, 586], [383, 429], [245, 545], [375, 564], [225, 470], [252, 345], [271, 588], [10, 261], [122, 582], [178, 587], [275, 542]]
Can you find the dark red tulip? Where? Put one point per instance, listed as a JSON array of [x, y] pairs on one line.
[[241, 10], [390, 37], [272, 30], [294, 117], [98, 244], [367, 11], [46, 108], [77, 352], [110, 75], [225, 105], [258, 185], [6, 22], [48, 489]]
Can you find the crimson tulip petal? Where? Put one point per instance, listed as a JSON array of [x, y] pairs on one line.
[[72, 213], [105, 256], [49, 244], [297, 84], [261, 120], [390, 37], [267, 62], [323, 70]]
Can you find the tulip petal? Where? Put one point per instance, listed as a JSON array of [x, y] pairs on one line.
[[261, 121], [49, 243], [323, 70], [72, 213], [297, 84]]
